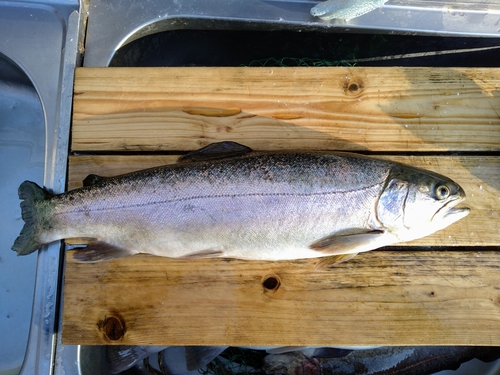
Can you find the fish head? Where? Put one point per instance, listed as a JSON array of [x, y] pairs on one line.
[[415, 203]]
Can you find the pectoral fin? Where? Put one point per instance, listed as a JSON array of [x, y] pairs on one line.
[[99, 251], [218, 150], [350, 243], [342, 247]]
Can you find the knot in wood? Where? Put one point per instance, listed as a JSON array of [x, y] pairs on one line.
[[271, 283], [353, 87], [113, 328]]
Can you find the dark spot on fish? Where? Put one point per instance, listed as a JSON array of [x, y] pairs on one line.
[[432, 294], [271, 283], [113, 327]]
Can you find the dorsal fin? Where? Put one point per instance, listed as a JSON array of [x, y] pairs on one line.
[[92, 179], [218, 150]]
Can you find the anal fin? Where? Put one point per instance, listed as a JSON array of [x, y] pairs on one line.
[[99, 251], [332, 261]]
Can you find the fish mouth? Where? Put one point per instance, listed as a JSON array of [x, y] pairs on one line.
[[450, 213]]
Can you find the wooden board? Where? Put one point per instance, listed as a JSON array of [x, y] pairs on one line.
[[380, 298], [378, 109], [441, 290]]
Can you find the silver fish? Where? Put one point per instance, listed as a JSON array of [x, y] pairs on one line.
[[345, 9], [268, 206]]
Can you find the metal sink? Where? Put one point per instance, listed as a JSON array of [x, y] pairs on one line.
[[37, 57], [22, 137], [40, 46]]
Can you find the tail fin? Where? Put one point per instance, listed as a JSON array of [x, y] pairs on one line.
[[31, 194]]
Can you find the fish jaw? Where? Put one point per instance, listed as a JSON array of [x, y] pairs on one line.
[[449, 213], [443, 218]]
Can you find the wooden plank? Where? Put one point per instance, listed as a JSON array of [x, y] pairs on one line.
[[383, 297], [379, 298], [478, 175], [338, 108]]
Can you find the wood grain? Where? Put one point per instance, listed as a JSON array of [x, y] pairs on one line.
[[331, 108], [440, 290], [379, 298], [478, 175]]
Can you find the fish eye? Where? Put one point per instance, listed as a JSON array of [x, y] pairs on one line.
[[442, 192]]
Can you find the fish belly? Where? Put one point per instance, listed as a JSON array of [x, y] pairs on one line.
[[265, 226]]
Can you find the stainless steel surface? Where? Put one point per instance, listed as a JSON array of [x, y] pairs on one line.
[[115, 23], [39, 48], [22, 138], [38, 52]]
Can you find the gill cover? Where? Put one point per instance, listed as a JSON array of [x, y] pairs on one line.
[[391, 204], [416, 203]]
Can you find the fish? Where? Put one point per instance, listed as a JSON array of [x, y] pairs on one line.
[[394, 360], [254, 206], [345, 9]]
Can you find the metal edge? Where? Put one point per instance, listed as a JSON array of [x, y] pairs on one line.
[[40, 354]]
